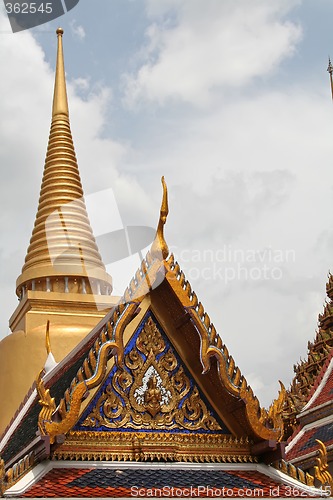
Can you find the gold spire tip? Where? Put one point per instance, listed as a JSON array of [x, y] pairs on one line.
[[60, 104]]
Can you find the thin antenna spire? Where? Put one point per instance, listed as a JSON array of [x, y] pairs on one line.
[[330, 70]]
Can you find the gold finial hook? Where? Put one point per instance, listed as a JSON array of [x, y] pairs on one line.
[[47, 338], [159, 247], [164, 205]]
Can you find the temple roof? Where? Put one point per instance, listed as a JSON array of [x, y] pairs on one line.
[[188, 326], [160, 324], [61, 479], [322, 390], [62, 242], [159, 288], [315, 420], [308, 372]]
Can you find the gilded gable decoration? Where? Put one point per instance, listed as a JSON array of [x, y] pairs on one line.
[[152, 392], [265, 424], [109, 343]]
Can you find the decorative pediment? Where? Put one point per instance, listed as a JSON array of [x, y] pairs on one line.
[[152, 391]]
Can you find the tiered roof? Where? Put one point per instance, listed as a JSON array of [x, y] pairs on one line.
[[308, 370], [315, 421]]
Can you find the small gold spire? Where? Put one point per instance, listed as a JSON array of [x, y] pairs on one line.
[[60, 103], [47, 338], [159, 247], [330, 70]]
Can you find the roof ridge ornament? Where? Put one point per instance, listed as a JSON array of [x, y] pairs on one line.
[[321, 470], [159, 246], [50, 361]]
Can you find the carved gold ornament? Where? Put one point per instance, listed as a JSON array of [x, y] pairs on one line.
[[2, 476], [321, 471], [265, 424], [180, 447], [109, 344], [153, 392], [46, 401], [159, 248]]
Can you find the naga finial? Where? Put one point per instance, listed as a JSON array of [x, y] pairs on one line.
[[276, 409], [321, 470], [46, 401], [159, 247]]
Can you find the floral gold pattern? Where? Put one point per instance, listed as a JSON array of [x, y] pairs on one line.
[[180, 447], [153, 392]]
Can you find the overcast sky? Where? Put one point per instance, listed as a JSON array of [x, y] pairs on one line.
[[230, 100]]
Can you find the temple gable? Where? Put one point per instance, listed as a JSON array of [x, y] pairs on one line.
[[153, 391]]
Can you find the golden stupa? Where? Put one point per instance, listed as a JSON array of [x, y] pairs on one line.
[[63, 279]]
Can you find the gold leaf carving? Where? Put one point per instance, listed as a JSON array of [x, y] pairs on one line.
[[46, 401], [79, 387], [321, 471], [186, 447], [151, 392]]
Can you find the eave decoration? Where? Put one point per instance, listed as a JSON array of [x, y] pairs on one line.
[[321, 471]]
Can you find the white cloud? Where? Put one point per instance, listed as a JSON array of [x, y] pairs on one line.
[[194, 48], [77, 30]]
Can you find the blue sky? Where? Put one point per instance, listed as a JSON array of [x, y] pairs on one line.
[[230, 100]]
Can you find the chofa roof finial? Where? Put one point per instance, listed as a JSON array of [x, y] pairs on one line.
[[159, 248]]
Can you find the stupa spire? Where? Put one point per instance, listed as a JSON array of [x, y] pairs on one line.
[[62, 255]]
